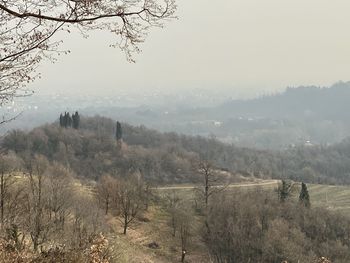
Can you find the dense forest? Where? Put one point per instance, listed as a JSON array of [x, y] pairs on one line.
[[92, 150]]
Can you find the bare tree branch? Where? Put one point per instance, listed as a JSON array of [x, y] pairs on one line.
[[28, 29]]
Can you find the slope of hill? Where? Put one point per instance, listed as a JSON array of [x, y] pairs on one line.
[[297, 103], [292, 117], [59, 167], [169, 158]]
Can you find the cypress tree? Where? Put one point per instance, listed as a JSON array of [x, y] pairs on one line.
[[76, 120], [61, 120], [119, 132], [65, 120], [304, 197], [69, 120], [73, 120]]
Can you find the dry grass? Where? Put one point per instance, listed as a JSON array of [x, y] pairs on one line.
[[133, 247], [336, 198]]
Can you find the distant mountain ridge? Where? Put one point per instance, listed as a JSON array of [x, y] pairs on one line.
[[294, 117], [303, 102]]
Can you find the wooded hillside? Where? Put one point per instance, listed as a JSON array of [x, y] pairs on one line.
[[93, 150]]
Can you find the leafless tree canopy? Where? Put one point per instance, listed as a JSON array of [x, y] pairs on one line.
[[28, 27]]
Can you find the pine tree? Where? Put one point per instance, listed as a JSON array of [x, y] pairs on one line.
[[119, 132], [304, 197]]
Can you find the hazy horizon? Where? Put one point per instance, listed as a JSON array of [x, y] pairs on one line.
[[245, 47]]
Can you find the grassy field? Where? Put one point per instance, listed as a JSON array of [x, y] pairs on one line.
[[335, 198]]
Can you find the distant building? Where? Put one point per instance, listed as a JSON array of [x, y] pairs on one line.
[[308, 143]]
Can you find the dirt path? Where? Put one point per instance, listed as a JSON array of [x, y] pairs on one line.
[[252, 184]]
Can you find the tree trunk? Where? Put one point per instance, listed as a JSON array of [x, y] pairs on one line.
[[183, 256], [107, 205], [2, 197], [206, 193], [125, 224], [35, 243], [174, 226]]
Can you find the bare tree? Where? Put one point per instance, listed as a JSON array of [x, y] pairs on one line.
[[211, 182], [129, 200], [28, 27], [8, 164], [185, 222], [105, 189], [147, 194], [86, 220], [181, 220], [58, 188], [173, 202], [36, 220]]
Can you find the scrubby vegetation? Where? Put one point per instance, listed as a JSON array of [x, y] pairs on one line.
[[257, 227], [169, 157], [67, 194]]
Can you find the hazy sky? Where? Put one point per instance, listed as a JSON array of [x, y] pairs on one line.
[[246, 46]]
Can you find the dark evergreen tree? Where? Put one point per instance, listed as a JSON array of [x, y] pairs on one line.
[[304, 197], [119, 132], [76, 120], [65, 120], [61, 120], [69, 120]]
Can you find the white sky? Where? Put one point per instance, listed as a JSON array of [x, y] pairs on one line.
[[243, 45]]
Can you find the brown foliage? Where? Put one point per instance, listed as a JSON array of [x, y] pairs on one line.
[[254, 226], [96, 252]]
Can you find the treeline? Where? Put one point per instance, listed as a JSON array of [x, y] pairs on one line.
[[311, 164], [256, 226], [66, 120], [91, 151], [305, 102]]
